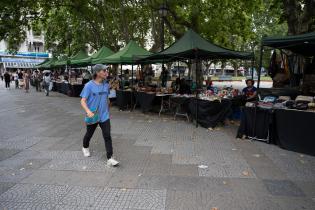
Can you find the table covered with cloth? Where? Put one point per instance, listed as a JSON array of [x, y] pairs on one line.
[[75, 90], [210, 113], [256, 123], [295, 130], [290, 129], [123, 99], [145, 100]]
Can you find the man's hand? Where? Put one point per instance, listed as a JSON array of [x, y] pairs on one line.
[[90, 114]]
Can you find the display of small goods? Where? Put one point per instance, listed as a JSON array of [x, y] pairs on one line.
[[306, 103], [74, 81], [152, 90], [218, 94], [114, 84]]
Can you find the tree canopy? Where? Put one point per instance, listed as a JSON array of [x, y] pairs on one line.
[[72, 25]]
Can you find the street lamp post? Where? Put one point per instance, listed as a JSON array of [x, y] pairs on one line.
[[163, 13]]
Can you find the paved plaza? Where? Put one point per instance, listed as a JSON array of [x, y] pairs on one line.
[[165, 164]]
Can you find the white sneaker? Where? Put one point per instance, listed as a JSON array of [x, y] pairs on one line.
[[86, 152], [112, 162]]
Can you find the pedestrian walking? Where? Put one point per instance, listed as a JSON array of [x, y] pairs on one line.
[[20, 78], [1, 75], [26, 77], [94, 101], [46, 82], [7, 79], [36, 78], [16, 80]]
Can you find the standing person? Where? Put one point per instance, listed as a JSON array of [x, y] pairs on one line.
[[16, 80], [36, 78], [164, 75], [20, 78], [94, 101], [46, 82], [1, 75], [7, 79], [27, 76]]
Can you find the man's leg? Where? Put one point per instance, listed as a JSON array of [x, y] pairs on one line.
[[88, 135], [105, 126]]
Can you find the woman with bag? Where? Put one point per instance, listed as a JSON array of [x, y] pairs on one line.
[[94, 101]]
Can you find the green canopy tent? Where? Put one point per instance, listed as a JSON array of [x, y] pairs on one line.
[[39, 66], [192, 46], [49, 64], [76, 59], [126, 55], [101, 53], [62, 61], [303, 44]]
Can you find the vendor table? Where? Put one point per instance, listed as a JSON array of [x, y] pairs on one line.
[[181, 104], [210, 113], [290, 129], [68, 89], [256, 123], [76, 89], [145, 100], [123, 100], [295, 130], [165, 101]]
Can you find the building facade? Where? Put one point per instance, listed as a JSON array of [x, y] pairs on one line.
[[31, 52]]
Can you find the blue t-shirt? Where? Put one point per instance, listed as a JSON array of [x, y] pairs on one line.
[[96, 97]]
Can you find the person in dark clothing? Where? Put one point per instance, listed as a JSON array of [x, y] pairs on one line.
[[7, 80], [250, 92], [184, 87], [164, 75]]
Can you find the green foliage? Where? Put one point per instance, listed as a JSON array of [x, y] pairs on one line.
[[72, 25]]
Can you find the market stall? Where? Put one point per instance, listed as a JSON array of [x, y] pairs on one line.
[[192, 48], [286, 118], [125, 56]]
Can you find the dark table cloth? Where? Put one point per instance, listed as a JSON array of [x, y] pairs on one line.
[[295, 130], [75, 90], [210, 113], [123, 99], [54, 88], [145, 100], [256, 123]]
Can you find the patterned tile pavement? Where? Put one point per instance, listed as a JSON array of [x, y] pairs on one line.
[[165, 164]]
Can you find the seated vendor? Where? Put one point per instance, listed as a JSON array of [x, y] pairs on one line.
[[209, 84], [250, 92], [184, 87]]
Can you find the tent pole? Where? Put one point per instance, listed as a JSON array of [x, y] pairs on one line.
[[131, 88], [260, 64], [196, 63], [178, 69], [252, 73], [121, 75]]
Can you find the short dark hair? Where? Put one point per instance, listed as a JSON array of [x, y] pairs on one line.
[[250, 80]]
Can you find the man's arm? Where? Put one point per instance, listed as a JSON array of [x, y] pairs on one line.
[[86, 108]]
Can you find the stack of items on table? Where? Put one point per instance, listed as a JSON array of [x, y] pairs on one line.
[[218, 94], [306, 103], [152, 90]]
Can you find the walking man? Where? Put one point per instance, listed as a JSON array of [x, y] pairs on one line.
[[7, 80], [94, 101]]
